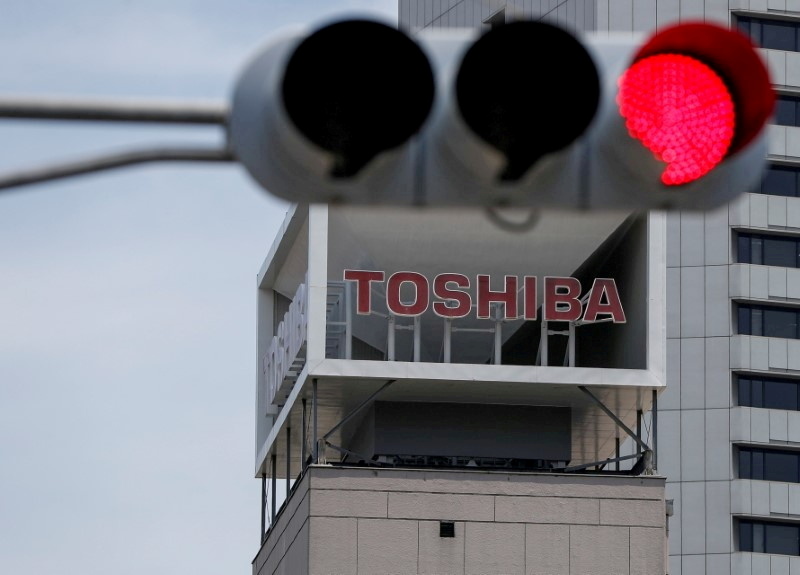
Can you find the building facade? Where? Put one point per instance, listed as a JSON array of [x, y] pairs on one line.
[[422, 420], [729, 426]]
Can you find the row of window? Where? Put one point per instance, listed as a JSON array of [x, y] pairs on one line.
[[779, 181], [769, 537], [768, 250], [769, 464], [768, 321], [768, 392], [771, 34], [775, 393]]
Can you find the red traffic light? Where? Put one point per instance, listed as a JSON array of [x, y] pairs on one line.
[[681, 110], [695, 94]]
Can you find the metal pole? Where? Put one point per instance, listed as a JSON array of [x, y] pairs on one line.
[[655, 429], [390, 339], [263, 506], [617, 453], [498, 337], [315, 449], [543, 344], [348, 325], [304, 439], [274, 486], [114, 110], [571, 344], [288, 459], [448, 334], [638, 431], [417, 338], [111, 161]]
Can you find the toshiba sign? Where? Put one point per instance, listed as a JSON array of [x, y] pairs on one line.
[[449, 295]]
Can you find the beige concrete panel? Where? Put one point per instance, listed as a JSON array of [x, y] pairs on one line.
[[283, 532], [440, 555], [776, 140], [779, 565], [792, 149], [548, 510], [741, 564], [777, 204], [332, 546], [387, 546], [599, 550], [792, 69], [340, 503], [794, 499], [776, 63], [779, 498], [793, 213], [793, 284], [740, 352], [760, 563], [647, 551], [739, 211], [547, 549], [778, 425], [777, 282], [441, 506], [758, 211], [759, 497], [793, 425], [632, 513], [494, 548], [741, 498], [778, 349], [740, 424], [739, 280], [467, 482], [295, 562]]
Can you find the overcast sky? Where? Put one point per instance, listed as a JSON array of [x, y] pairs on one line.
[[127, 299]]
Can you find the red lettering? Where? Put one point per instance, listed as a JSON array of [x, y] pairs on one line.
[[442, 291], [363, 278], [561, 299], [508, 297], [604, 289], [421, 295], [529, 282]]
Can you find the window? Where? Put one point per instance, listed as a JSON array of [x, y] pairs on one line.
[[787, 110], [779, 181], [768, 250], [768, 392], [769, 464], [769, 537], [771, 33], [769, 321]]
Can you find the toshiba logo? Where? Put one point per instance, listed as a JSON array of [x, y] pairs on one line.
[[450, 295]]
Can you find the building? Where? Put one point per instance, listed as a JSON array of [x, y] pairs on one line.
[[729, 426], [465, 441], [720, 329]]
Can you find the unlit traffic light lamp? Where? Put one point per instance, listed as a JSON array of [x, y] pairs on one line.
[[524, 114]]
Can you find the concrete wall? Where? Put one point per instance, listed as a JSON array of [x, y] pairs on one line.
[[365, 521]]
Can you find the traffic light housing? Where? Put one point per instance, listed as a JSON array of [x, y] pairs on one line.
[[523, 114]]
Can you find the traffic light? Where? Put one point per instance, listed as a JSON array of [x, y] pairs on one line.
[[523, 114]]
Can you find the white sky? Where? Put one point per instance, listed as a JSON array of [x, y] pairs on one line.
[[127, 299]]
